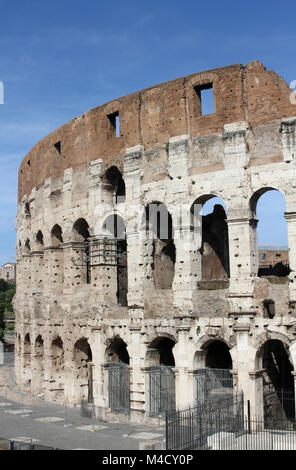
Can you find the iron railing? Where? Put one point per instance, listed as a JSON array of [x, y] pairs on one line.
[[279, 405], [211, 383], [119, 387], [191, 428], [161, 390], [11, 444]]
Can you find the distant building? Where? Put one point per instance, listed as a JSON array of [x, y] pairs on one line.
[[273, 259], [8, 272]]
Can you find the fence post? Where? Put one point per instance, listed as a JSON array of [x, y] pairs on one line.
[[166, 430], [249, 417]]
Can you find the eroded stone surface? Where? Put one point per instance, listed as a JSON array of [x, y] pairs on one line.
[[76, 312]]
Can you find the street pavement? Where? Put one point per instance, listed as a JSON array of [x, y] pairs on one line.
[[49, 424]]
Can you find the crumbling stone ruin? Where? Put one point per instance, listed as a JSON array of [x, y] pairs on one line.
[[112, 309]]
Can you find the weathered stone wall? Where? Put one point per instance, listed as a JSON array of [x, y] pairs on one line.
[[168, 153]]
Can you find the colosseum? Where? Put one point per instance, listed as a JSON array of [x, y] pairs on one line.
[[113, 310]]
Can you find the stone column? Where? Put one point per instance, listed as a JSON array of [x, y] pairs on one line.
[[288, 134], [134, 231], [136, 352], [243, 260], [183, 353], [291, 227], [243, 356], [187, 240]]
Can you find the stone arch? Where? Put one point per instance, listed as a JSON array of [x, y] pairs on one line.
[[27, 248], [116, 351], [271, 262], [113, 186], [55, 257], [39, 240], [38, 366], [160, 363], [116, 264], [277, 382], [214, 243], [27, 350], [80, 230], [205, 343], [82, 359], [56, 235], [27, 209], [57, 367], [117, 374], [160, 233], [160, 352], [27, 362], [81, 234], [262, 339]]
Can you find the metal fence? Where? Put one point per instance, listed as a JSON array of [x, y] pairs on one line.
[[119, 387], [254, 435], [191, 428], [10, 444], [279, 404], [161, 390], [220, 424], [211, 383]]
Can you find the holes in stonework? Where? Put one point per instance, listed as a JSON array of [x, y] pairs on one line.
[[58, 147], [268, 309]]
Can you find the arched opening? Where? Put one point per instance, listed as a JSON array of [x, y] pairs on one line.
[[218, 356], [56, 257], [27, 363], [268, 207], [118, 360], [57, 369], [159, 228], [214, 381], [39, 260], [114, 254], [161, 362], [27, 249], [56, 236], [114, 186], [83, 371], [27, 351], [81, 235], [160, 352], [39, 240], [38, 376], [278, 382], [214, 249], [27, 209], [117, 351]]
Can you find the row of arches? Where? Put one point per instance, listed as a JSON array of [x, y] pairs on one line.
[[272, 358], [214, 244]]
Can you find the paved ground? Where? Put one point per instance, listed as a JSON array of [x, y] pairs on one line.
[[23, 416]]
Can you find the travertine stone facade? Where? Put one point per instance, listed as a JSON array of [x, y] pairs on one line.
[[173, 299]]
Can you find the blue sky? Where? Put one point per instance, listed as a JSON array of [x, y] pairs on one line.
[[60, 58]]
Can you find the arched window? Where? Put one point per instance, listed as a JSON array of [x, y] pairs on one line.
[[56, 235], [115, 252], [81, 234], [159, 228], [114, 185], [268, 206], [214, 244]]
